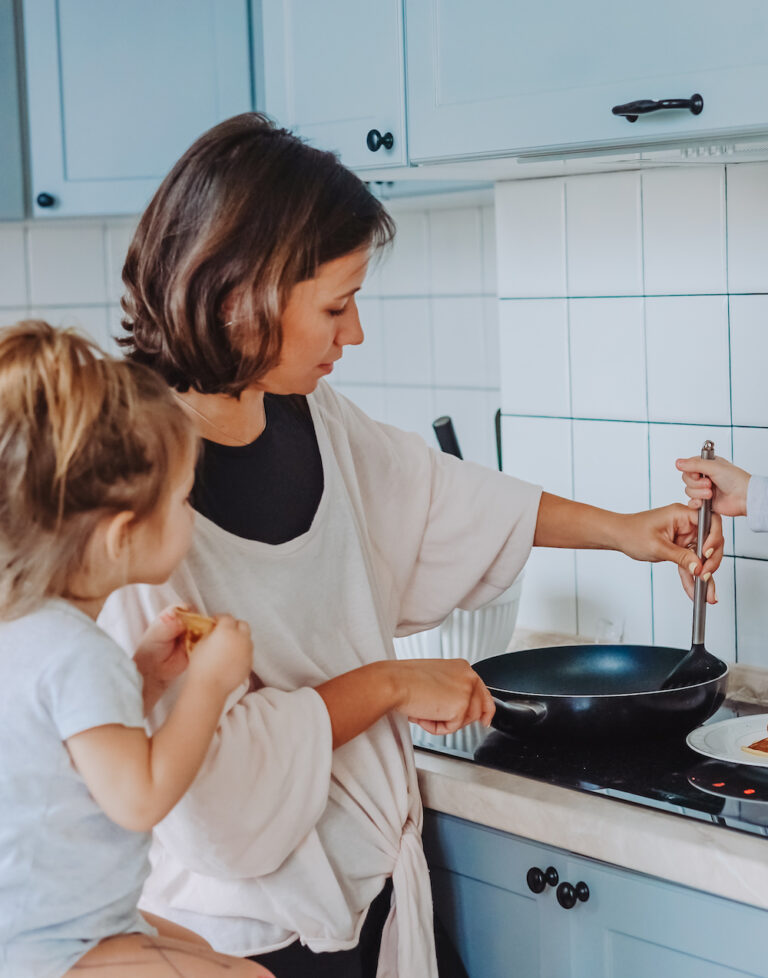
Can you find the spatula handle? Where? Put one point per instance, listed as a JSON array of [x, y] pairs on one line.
[[699, 586]]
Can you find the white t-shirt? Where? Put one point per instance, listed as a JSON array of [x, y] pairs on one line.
[[69, 876], [280, 838]]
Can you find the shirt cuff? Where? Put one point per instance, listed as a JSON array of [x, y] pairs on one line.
[[757, 503]]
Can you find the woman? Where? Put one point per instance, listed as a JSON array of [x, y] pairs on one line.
[[328, 533]]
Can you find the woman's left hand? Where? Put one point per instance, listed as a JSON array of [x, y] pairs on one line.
[[669, 533]]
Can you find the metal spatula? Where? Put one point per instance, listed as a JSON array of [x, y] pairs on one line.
[[698, 665]]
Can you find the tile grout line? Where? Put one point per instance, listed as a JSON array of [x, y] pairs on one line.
[[571, 431]]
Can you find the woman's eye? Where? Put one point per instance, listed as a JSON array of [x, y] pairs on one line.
[[337, 312]]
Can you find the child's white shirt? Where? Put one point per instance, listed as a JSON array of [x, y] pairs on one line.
[[69, 876]]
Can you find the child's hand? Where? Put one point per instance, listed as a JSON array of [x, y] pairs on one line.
[[161, 657], [225, 656], [716, 479]]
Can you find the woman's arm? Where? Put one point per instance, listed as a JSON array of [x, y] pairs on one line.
[[136, 779], [441, 695], [657, 534]]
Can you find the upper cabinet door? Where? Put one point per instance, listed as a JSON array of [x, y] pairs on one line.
[[11, 156], [333, 73], [492, 77], [117, 91]]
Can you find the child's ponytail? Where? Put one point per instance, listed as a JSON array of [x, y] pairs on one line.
[[81, 436]]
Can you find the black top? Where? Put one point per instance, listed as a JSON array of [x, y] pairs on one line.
[[268, 490]]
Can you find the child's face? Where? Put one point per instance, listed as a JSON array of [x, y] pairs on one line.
[[161, 543], [320, 319]]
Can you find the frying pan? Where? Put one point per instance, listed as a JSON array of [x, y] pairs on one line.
[[597, 691]]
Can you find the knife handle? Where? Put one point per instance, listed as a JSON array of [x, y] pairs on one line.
[[446, 436]]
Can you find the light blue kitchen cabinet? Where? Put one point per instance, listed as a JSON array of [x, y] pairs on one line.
[[630, 926], [117, 91], [492, 78], [11, 154], [333, 73]]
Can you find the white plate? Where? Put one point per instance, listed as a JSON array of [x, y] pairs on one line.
[[725, 739]]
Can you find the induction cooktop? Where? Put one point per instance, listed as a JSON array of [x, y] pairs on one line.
[[661, 774]]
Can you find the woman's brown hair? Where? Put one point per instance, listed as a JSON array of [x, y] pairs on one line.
[[82, 436], [248, 211]]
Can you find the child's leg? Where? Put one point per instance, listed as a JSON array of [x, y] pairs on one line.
[[141, 956], [167, 928]]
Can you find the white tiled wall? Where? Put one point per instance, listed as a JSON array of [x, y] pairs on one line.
[[430, 314], [65, 272], [633, 311]]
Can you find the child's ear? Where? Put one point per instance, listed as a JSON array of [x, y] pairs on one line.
[[116, 537]]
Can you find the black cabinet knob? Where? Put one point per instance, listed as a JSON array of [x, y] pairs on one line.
[[538, 879], [45, 200], [374, 140], [567, 895]]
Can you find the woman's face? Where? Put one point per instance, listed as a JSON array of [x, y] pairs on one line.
[[319, 320]]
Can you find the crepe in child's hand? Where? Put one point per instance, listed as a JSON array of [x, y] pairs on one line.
[[197, 626]]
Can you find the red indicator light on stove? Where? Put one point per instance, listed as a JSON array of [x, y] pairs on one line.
[[718, 784], [749, 791]]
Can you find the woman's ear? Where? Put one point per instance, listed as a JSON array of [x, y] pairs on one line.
[[116, 536]]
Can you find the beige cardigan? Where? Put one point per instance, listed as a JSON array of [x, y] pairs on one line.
[[280, 837]]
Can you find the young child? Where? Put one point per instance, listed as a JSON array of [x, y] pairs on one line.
[[97, 462], [733, 491]]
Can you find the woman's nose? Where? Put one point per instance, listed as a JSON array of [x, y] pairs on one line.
[[351, 332]]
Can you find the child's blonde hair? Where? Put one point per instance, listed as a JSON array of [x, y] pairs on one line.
[[82, 436]]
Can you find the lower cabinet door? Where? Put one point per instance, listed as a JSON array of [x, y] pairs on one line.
[[500, 927], [635, 926], [629, 925]]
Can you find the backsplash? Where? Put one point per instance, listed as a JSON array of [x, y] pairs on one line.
[[633, 314], [618, 319], [67, 272], [430, 315]]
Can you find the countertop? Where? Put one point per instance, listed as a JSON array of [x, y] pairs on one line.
[[696, 854]]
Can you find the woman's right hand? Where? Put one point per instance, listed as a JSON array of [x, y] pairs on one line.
[[716, 479], [441, 695], [224, 657]]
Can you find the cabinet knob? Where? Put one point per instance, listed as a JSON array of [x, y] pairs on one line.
[[374, 140], [45, 200], [538, 879], [632, 110], [567, 895]]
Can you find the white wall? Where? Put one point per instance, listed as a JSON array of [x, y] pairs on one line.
[[633, 325], [67, 272], [430, 316]]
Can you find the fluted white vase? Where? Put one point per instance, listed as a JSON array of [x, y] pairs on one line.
[[471, 635]]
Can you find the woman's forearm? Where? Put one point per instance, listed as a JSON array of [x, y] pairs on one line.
[[565, 523], [440, 694], [358, 699]]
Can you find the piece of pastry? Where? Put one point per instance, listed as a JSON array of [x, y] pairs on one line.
[[197, 626], [760, 748]]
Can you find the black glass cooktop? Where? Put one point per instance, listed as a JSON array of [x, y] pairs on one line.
[[661, 774]]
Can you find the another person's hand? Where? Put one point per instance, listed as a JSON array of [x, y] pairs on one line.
[[442, 695], [716, 479], [669, 533], [224, 657]]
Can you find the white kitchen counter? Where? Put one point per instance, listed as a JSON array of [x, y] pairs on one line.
[[694, 853]]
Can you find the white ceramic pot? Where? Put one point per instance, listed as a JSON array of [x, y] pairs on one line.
[[471, 635]]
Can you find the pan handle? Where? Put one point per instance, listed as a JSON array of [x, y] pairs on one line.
[[521, 712]]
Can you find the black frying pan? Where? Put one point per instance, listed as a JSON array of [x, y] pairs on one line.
[[596, 691]]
